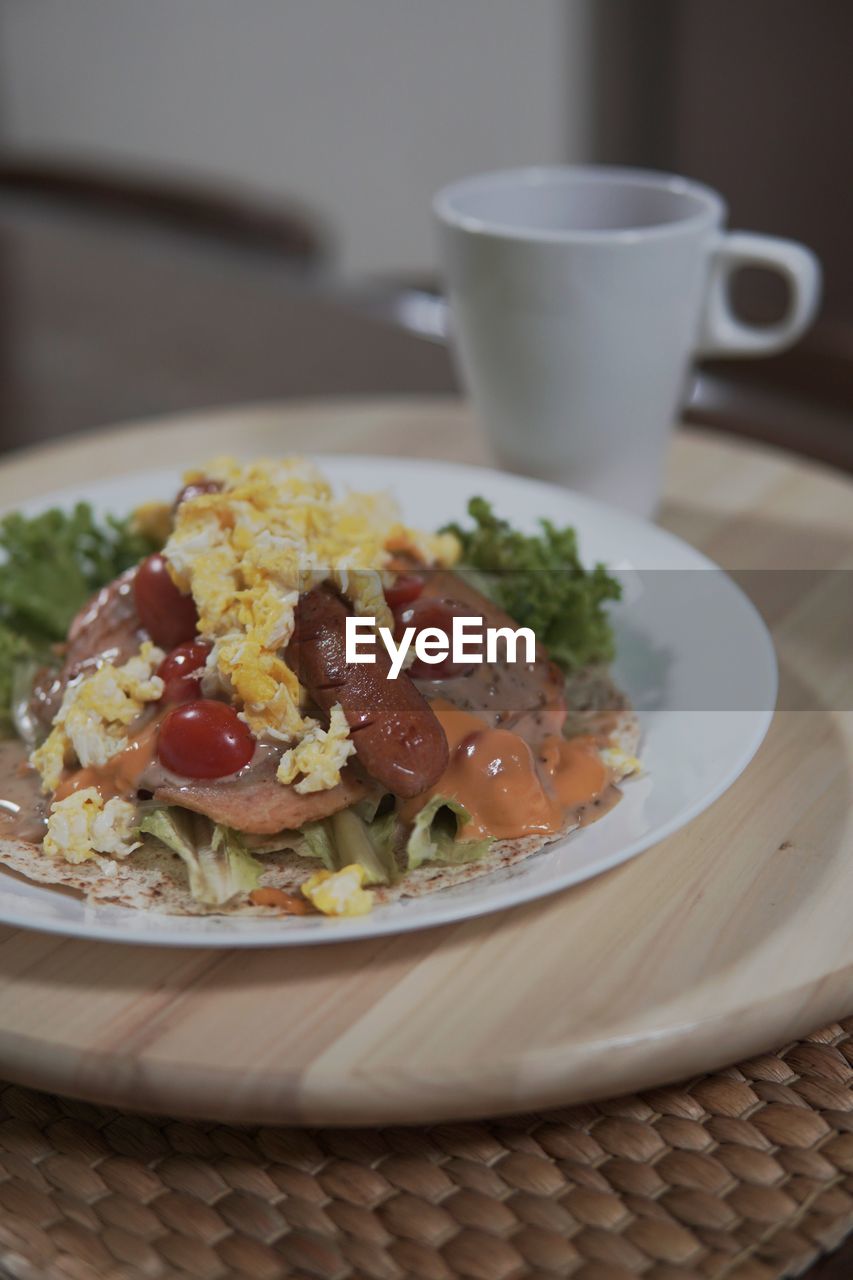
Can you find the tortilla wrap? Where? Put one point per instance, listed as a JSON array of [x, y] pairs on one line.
[[153, 878]]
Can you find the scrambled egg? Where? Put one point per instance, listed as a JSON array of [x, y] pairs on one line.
[[247, 552], [339, 893], [154, 519], [620, 763], [94, 711], [319, 756], [82, 825]]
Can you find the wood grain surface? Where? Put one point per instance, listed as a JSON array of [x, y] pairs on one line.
[[726, 939]]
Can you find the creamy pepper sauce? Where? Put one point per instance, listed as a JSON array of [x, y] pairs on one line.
[[23, 808], [512, 789]]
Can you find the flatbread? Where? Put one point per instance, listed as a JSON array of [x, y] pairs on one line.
[[155, 879]]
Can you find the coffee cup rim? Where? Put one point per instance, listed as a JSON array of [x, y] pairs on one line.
[[710, 206]]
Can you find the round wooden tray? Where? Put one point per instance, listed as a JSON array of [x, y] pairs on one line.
[[729, 937]]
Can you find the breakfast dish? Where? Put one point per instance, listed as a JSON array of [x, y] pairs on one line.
[[691, 653], [190, 730]]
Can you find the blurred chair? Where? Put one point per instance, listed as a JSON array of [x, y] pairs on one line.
[[203, 210], [127, 294]]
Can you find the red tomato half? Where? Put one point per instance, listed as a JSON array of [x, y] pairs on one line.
[[204, 739], [167, 615], [405, 588], [433, 612], [181, 671]]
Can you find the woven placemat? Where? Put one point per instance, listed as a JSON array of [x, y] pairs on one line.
[[746, 1174]]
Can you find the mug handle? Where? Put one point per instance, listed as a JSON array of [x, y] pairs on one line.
[[721, 332]]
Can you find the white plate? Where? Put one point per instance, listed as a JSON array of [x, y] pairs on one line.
[[694, 655]]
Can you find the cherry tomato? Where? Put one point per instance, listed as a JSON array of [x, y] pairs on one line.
[[167, 615], [195, 490], [431, 611], [204, 739], [181, 670], [405, 588]]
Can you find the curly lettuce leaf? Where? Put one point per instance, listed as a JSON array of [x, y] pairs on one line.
[[435, 835], [17, 654], [50, 564], [541, 583], [218, 864], [53, 562]]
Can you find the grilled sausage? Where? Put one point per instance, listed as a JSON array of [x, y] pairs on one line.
[[396, 734]]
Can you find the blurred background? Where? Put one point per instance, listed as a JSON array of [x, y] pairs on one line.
[[210, 201]]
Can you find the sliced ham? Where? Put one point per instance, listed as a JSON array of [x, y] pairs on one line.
[[527, 697], [105, 628], [258, 804]]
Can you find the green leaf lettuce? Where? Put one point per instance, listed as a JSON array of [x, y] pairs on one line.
[[50, 564], [540, 582]]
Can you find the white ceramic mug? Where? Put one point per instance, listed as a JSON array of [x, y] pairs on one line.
[[579, 297]]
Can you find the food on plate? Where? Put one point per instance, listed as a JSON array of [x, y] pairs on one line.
[[264, 698]]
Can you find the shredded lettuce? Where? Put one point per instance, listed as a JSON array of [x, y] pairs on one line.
[[435, 835], [218, 864], [317, 841], [541, 583], [346, 837], [352, 836], [50, 564], [375, 803]]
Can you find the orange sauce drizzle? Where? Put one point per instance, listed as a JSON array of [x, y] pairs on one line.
[[289, 904], [574, 768], [509, 788], [120, 775]]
